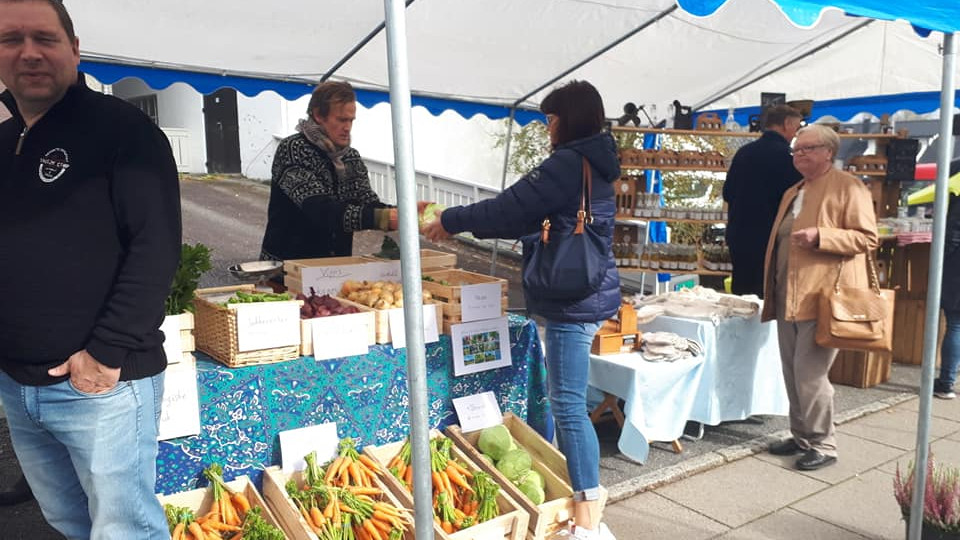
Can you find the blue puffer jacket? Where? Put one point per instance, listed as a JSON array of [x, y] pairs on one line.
[[553, 190]]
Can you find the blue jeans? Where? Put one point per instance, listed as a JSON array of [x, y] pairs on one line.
[[949, 353], [90, 459], [568, 367]]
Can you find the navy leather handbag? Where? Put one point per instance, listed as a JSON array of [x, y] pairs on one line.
[[566, 265]]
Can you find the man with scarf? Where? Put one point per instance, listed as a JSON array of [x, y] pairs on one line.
[[320, 192]]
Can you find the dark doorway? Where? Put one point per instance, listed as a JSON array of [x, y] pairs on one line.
[[222, 131]]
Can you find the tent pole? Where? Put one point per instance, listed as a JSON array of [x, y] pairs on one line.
[[726, 92], [932, 316], [398, 70], [503, 182], [356, 48]]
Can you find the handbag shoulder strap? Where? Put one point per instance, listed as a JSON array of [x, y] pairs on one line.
[[586, 196], [871, 267]]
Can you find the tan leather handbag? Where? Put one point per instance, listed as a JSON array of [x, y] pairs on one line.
[[857, 319]]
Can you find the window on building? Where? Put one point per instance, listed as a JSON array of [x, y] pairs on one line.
[[147, 104]]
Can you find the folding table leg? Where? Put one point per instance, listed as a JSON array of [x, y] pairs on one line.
[[609, 402]]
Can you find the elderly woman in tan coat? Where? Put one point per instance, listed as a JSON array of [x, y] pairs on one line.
[[825, 219]]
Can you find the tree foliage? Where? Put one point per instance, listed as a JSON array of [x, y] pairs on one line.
[[529, 146]]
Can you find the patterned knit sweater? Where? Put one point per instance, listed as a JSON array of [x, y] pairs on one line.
[[312, 213]]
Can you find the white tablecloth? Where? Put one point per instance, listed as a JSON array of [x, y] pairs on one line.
[[738, 376]]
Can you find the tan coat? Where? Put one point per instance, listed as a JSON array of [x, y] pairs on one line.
[[839, 205]]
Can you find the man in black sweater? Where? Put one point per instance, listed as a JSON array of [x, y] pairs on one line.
[[760, 173], [89, 243]]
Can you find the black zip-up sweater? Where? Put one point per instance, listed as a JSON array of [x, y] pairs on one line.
[[89, 237]]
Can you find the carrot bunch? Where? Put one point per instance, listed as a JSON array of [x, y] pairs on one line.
[[230, 517], [348, 511], [457, 496]]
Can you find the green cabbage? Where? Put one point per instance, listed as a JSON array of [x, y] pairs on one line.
[[515, 463], [531, 485], [495, 441]]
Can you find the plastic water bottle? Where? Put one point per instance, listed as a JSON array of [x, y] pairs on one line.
[[731, 122]]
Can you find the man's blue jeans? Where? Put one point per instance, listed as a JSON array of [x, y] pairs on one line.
[[949, 353], [90, 459], [568, 368]]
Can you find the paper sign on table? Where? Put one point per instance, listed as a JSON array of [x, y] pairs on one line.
[[340, 336], [480, 301], [398, 336], [180, 412], [478, 411], [296, 443], [329, 279], [172, 345], [480, 345], [266, 325]]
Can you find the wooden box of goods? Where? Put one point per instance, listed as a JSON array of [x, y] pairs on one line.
[[217, 331], [183, 324], [447, 287], [190, 512], [308, 503], [381, 297], [489, 512], [551, 506], [293, 269], [430, 259], [321, 306]]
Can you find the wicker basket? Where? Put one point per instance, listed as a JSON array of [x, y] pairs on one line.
[[216, 333]]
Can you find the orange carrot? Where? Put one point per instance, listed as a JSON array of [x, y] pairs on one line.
[[455, 477], [317, 515], [371, 530], [328, 511], [241, 502], [438, 482], [333, 470], [196, 531], [408, 476], [364, 490], [447, 527], [369, 463], [178, 531], [218, 526], [460, 469], [354, 471]]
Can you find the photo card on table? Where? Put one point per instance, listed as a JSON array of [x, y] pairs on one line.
[[480, 345]]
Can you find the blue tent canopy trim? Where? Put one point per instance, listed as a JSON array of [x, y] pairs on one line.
[[207, 83]]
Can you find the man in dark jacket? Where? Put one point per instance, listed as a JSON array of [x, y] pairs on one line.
[[760, 173], [950, 298], [89, 243]]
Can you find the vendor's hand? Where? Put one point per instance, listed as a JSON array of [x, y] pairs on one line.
[[434, 230], [422, 205], [86, 374], [806, 238]]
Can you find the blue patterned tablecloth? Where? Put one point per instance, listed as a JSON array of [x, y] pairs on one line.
[[243, 410]]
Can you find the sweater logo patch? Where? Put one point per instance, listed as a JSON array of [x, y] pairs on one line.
[[53, 164]]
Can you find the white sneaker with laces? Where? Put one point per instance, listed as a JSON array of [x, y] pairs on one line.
[[945, 395]]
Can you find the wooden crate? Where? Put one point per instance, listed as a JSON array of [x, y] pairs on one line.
[[557, 508], [511, 524], [451, 294], [909, 321], [431, 259], [287, 513], [369, 320], [292, 269], [382, 319], [216, 331], [201, 500], [860, 368]]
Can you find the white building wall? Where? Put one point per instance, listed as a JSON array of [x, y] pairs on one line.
[[261, 120], [178, 106]]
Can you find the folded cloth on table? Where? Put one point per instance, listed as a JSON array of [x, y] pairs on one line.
[[668, 347]]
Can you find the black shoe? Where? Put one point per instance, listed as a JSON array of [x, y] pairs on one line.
[[18, 493], [788, 447], [813, 460]]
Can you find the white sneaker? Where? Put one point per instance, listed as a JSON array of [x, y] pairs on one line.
[[602, 533], [950, 394], [605, 533]]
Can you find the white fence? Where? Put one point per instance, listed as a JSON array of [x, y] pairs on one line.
[[430, 187], [180, 144]]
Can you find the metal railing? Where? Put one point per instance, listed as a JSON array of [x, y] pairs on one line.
[[430, 187]]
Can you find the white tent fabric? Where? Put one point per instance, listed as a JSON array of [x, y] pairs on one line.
[[500, 51]]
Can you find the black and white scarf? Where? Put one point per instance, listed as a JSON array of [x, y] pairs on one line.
[[315, 133]]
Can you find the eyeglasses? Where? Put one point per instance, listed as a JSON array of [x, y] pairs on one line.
[[548, 117], [801, 150]]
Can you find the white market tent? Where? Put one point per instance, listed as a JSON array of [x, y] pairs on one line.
[[472, 55], [494, 55]]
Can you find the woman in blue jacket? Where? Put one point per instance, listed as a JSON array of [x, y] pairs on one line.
[[575, 120]]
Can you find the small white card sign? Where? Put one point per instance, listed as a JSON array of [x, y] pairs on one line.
[[180, 412], [296, 443], [478, 411], [329, 279], [266, 325], [480, 301], [343, 335], [480, 345], [398, 336], [172, 345]]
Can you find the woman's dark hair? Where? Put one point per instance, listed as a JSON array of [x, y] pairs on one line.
[[326, 94], [579, 110]]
